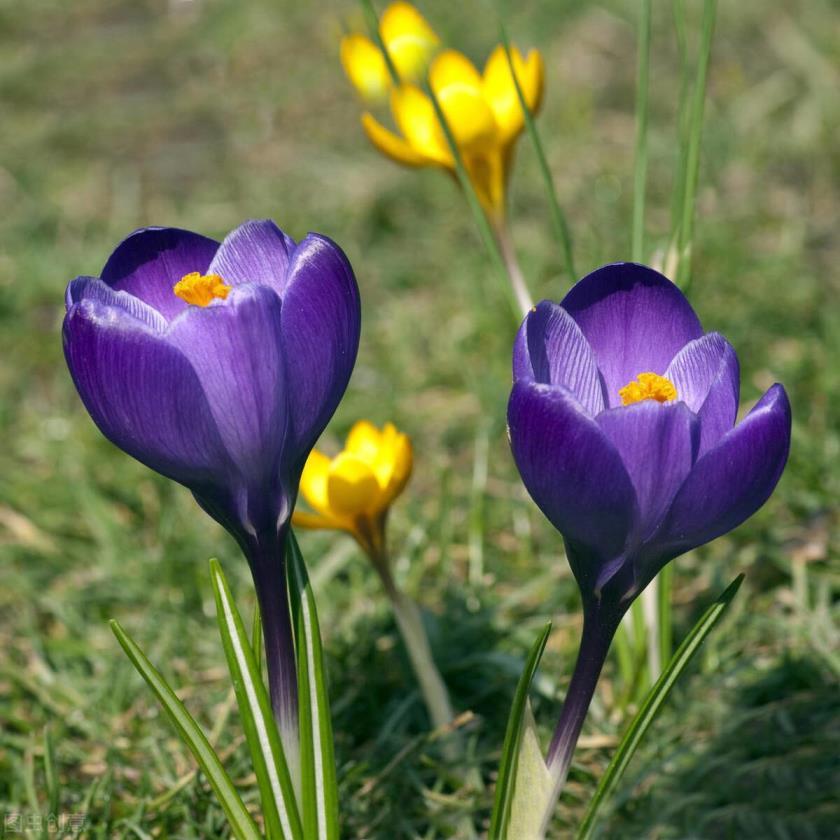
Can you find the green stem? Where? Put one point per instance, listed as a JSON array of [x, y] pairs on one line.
[[641, 154], [514, 272], [410, 623]]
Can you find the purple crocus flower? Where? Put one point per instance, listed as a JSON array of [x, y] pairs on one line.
[[622, 425], [219, 365]]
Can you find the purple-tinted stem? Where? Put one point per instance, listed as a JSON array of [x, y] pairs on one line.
[[599, 626], [268, 567]]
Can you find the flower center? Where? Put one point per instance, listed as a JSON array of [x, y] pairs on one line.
[[201, 289], [648, 386]]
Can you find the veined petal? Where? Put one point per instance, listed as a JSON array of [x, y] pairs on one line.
[[321, 324], [93, 289], [150, 261], [143, 394], [635, 320], [572, 471], [500, 91], [732, 480], [457, 85], [236, 349], [352, 487], [410, 40], [391, 145], [255, 252], [707, 378], [365, 66], [658, 446], [550, 348], [415, 116]]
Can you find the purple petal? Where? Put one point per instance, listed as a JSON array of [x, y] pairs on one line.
[[550, 348], [732, 480], [321, 324], [707, 378], [142, 393], [573, 473], [150, 261], [634, 319], [236, 349], [255, 252], [658, 446], [93, 289]]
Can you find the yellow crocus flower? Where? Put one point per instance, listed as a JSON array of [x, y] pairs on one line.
[[353, 491], [410, 42], [482, 110]]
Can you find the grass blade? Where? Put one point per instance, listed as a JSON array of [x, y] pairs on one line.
[[506, 783], [641, 155], [50, 772], [652, 704], [277, 794], [241, 823], [692, 157], [319, 787], [558, 217]]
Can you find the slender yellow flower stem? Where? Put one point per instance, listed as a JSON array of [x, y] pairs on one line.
[[514, 272], [410, 624]]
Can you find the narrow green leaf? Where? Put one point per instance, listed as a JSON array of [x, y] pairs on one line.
[[50, 772], [256, 637], [516, 728], [558, 217], [685, 241], [664, 609], [319, 787], [241, 823], [277, 794], [641, 154], [652, 704]]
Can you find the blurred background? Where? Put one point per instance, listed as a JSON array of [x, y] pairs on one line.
[[118, 114]]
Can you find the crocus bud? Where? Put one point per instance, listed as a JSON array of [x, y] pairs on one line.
[[354, 491]]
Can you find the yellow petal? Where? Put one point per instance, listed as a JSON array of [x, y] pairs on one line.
[[365, 66], [500, 91], [458, 87], [364, 441], [415, 116], [313, 481], [304, 519], [351, 486], [488, 171], [402, 460], [391, 145], [410, 41]]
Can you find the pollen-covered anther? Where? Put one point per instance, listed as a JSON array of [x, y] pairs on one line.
[[648, 386], [201, 289]]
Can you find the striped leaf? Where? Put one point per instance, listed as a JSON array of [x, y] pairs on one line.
[[517, 746], [319, 787], [652, 704], [280, 812], [241, 823]]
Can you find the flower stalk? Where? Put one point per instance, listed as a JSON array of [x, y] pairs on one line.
[[517, 280], [410, 623], [267, 559]]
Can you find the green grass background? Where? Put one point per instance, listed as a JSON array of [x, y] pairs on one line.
[[117, 114]]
